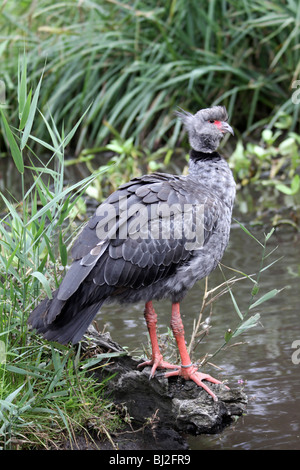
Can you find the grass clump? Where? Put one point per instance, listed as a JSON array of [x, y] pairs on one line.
[[46, 396], [47, 401], [137, 62]]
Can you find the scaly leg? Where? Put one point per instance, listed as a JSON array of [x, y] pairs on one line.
[[157, 360], [187, 370]]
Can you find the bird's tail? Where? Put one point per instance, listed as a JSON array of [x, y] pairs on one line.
[[67, 324]]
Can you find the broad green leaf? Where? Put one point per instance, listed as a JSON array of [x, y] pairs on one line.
[[44, 281]]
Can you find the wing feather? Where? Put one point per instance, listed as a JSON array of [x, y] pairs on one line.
[[127, 254]]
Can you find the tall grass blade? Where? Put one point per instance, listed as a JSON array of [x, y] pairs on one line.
[[31, 114], [15, 151]]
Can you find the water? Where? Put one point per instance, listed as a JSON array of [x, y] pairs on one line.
[[263, 366]]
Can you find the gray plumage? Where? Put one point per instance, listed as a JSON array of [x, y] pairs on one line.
[[123, 253]]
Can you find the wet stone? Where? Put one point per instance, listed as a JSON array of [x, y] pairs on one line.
[[176, 404]]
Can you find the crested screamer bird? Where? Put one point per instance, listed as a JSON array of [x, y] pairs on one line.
[[152, 238]]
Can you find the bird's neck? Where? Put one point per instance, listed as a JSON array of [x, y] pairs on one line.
[[201, 164], [211, 170], [196, 156]]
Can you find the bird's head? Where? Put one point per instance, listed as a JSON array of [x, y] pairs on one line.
[[206, 128]]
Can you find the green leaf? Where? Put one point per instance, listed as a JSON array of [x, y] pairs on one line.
[[22, 87], [74, 129], [11, 257], [236, 305], [31, 115], [271, 264], [13, 394], [49, 248], [25, 112], [295, 183], [21, 371], [293, 189], [91, 362], [264, 298], [248, 233], [12, 210], [250, 323], [64, 211], [44, 281], [80, 184], [63, 251], [15, 151], [269, 234]]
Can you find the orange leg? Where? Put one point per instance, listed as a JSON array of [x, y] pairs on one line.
[[157, 361], [187, 370]]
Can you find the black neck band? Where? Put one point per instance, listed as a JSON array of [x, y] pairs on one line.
[[194, 155]]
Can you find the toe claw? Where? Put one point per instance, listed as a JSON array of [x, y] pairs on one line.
[[191, 373], [157, 363], [188, 373]]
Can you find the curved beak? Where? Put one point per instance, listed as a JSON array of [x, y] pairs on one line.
[[225, 127]]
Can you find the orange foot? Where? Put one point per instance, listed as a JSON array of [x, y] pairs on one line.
[[157, 362], [191, 373]]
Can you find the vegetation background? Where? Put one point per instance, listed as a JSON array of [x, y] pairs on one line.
[[128, 65], [92, 86]]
